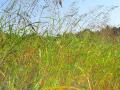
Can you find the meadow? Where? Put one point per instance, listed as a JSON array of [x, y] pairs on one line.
[[83, 61]]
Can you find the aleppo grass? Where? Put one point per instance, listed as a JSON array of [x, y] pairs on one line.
[[65, 62]]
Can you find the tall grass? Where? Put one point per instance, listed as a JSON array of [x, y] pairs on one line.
[[85, 61]]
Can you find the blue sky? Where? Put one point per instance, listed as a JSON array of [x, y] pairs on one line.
[[86, 5]]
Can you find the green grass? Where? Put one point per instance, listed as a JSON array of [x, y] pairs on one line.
[[32, 62]]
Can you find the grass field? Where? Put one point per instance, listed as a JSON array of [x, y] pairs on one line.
[[86, 61]]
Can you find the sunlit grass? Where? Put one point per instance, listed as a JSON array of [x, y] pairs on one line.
[[32, 62]]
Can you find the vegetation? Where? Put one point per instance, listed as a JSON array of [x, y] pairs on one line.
[[83, 61], [40, 49]]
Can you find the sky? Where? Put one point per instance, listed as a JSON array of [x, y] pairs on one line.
[[86, 5]]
